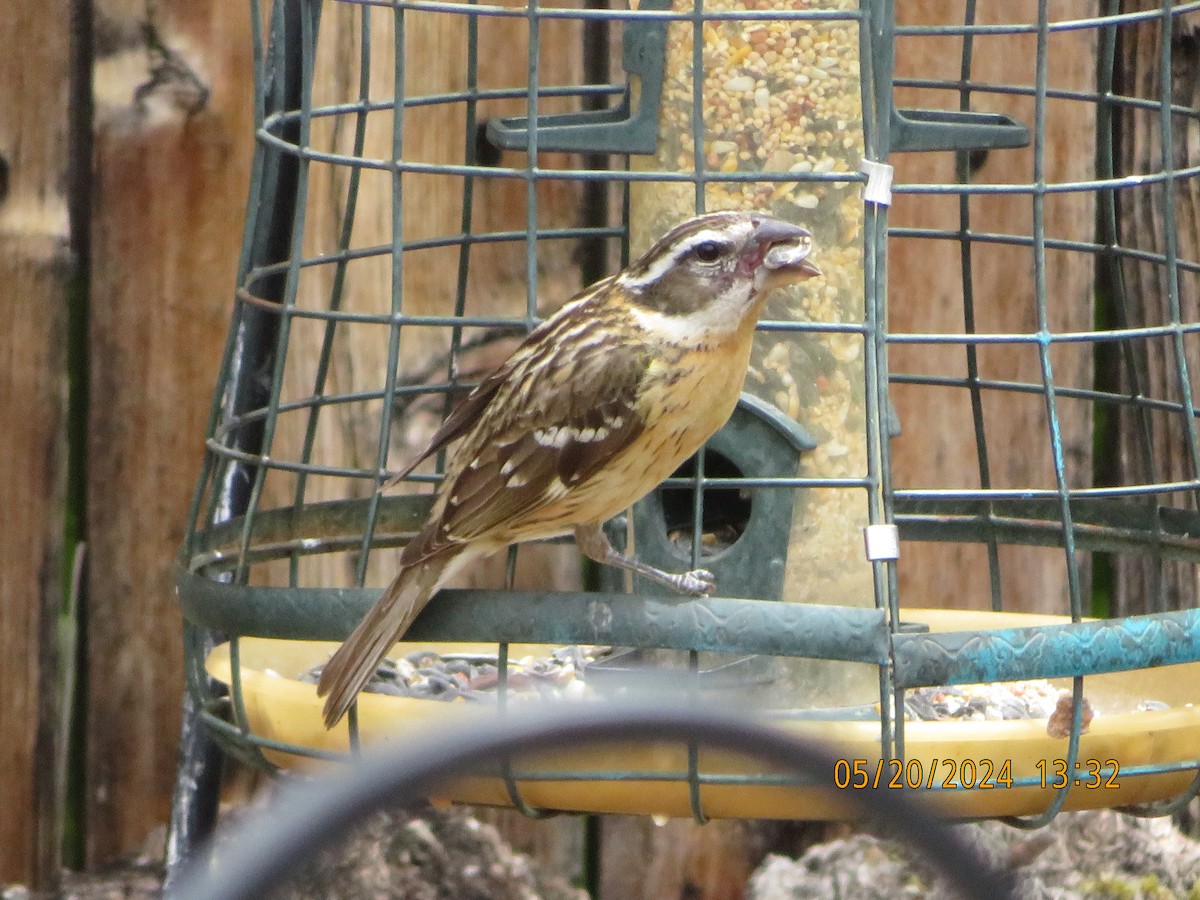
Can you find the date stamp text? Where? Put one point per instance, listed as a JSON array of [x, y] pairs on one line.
[[972, 774]]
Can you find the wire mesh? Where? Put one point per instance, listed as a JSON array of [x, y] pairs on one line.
[[1066, 374]]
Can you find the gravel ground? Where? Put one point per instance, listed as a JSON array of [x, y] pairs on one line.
[[1093, 855], [433, 855]]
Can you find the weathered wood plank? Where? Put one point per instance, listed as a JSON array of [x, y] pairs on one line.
[[36, 271], [173, 143], [1145, 584]]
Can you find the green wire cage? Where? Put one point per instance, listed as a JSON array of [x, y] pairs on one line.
[[995, 376]]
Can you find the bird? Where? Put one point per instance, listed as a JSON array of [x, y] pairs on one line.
[[596, 407]]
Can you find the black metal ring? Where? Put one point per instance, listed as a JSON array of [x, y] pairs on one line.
[[262, 853]]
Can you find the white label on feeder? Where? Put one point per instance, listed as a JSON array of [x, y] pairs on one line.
[[883, 542], [879, 182]]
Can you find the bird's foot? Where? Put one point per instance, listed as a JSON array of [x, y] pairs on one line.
[[696, 583]]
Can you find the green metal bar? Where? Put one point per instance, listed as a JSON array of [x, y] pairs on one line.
[[1071, 560], [1100, 525], [962, 173], [337, 288], [1048, 651], [719, 624]]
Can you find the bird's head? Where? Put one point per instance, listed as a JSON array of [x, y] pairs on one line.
[[717, 267]]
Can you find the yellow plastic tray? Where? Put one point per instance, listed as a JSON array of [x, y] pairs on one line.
[[284, 709]]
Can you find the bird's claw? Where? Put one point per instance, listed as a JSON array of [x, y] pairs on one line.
[[697, 583]]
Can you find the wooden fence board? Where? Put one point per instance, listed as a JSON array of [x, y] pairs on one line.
[[173, 147], [36, 270]]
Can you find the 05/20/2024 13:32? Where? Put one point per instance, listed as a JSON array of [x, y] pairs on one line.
[[981, 774]]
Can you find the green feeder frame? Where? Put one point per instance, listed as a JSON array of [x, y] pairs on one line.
[[231, 533]]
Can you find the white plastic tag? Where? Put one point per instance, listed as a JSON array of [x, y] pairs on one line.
[[879, 182], [883, 542]]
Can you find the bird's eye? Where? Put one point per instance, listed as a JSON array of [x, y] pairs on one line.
[[708, 252]]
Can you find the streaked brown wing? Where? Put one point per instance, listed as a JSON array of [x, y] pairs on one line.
[[550, 425], [467, 413], [456, 424], [515, 480]]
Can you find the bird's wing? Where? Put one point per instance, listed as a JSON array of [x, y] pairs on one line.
[[549, 424], [455, 425], [465, 414]]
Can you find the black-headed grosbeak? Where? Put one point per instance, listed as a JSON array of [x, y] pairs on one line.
[[598, 405]]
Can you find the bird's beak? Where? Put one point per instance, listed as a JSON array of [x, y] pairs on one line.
[[787, 249], [774, 231]]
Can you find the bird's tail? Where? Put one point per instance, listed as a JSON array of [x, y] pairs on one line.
[[352, 666]]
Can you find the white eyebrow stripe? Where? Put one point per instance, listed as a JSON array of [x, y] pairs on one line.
[[682, 249], [652, 274], [700, 237]]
